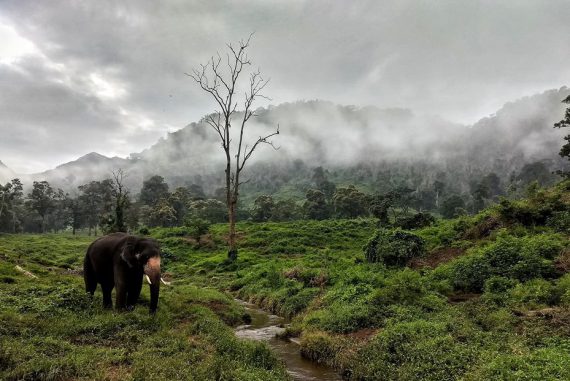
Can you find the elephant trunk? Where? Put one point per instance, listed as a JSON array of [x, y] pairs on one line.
[[152, 274]]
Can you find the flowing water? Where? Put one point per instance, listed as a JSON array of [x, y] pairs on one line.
[[264, 327]]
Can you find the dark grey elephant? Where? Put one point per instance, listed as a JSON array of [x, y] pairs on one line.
[[121, 260]]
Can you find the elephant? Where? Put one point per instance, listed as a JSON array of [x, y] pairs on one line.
[[120, 260]]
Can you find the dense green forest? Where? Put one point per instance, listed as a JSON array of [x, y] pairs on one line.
[[94, 205]]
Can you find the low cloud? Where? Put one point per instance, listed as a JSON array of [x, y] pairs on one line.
[[109, 76]]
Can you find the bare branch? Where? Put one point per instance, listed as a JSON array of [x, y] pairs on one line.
[[260, 140], [215, 121]]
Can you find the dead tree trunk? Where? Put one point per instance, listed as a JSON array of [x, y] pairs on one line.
[[222, 84]]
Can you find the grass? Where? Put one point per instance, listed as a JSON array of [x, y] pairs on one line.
[[51, 330], [497, 308]]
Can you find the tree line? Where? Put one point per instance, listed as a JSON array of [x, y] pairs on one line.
[[107, 206]]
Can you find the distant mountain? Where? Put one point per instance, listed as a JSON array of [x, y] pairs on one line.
[[342, 138], [92, 166]]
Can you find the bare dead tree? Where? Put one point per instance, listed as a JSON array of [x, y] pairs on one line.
[[121, 195], [219, 78]]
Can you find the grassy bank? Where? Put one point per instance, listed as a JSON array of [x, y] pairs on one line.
[[50, 330]]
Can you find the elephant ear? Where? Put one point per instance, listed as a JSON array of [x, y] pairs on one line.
[[128, 253]]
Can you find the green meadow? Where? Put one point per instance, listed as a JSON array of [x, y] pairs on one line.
[[484, 297]]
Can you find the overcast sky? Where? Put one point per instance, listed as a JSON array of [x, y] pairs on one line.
[[108, 76]]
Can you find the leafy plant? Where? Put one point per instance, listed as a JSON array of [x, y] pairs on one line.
[[393, 248]]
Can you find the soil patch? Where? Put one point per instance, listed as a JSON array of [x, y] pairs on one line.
[[462, 298], [483, 228], [363, 334], [436, 258], [562, 262]]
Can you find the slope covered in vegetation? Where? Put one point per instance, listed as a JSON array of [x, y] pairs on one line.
[[481, 297]]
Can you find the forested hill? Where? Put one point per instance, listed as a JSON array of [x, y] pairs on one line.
[[366, 146]]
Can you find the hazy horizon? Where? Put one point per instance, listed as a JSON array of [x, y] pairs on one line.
[[108, 77]]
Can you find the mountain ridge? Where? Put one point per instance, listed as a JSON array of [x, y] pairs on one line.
[[322, 133]]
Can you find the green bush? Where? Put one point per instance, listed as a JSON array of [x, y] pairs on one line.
[[519, 212], [404, 287], [418, 350], [198, 227], [534, 294], [319, 347], [342, 318], [417, 221], [393, 247], [539, 365], [560, 221], [470, 273], [521, 259], [563, 289], [496, 289]]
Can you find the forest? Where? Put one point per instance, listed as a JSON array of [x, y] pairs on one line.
[[93, 206]]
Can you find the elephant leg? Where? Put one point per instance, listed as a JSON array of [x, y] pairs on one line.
[[134, 288], [107, 290], [89, 276], [121, 295]]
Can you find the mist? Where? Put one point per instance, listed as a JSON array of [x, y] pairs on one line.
[[321, 133]]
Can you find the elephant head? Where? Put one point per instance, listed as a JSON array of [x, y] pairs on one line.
[[145, 253]]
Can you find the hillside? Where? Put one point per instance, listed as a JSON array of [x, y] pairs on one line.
[[355, 144], [487, 297]]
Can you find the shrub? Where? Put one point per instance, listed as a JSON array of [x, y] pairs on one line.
[[394, 248], [535, 293], [404, 287], [318, 347], [293, 304], [309, 277], [417, 221], [499, 285], [418, 350], [518, 212], [560, 221], [563, 289], [470, 273], [342, 318], [542, 364], [198, 227], [522, 259], [496, 289]]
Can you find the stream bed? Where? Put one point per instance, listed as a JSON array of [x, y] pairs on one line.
[[264, 326]]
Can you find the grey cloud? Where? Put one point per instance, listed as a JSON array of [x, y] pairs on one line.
[[460, 60]]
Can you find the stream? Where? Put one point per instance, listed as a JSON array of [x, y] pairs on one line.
[[264, 327]]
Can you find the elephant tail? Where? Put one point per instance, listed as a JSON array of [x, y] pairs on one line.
[[89, 275]]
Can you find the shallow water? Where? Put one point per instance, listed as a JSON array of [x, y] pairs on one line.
[[264, 327]]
